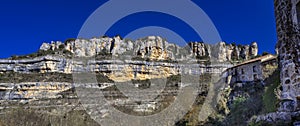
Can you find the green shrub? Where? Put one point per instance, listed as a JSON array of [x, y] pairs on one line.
[[61, 47], [33, 117], [270, 100], [69, 40], [265, 53]]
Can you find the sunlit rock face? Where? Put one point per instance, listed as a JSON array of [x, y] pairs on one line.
[[253, 49], [223, 52], [141, 54], [32, 90], [199, 49], [117, 70], [229, 52], [154, 48], [117, 60]]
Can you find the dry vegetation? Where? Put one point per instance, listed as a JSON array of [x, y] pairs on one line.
[[31, 117]]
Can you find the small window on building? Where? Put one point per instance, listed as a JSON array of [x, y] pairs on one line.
[[254, 69], [255, 77], [298, 12], [243, 72]]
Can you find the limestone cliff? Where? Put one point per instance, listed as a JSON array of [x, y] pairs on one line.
[[47, 75], [154, 48], [115, 69]]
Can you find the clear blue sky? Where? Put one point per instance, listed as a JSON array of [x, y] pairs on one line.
[[26, 24]]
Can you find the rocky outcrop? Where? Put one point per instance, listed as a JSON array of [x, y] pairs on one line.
[[274, 118], [154, 48], [39, 64], [51, 46], [278, 118], [219, 52], [42, 90], [253, 49], [223, 52], [199, 49], [143, 59], [32, 90]]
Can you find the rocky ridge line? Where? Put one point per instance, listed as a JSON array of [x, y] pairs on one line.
[[154, 48]]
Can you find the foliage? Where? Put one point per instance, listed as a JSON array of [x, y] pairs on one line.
[[233, 44], [12, 77], [32, 117], [206, 57], [103, 55], [265, 53], [69, 40], [243, 109], [61, 47], [260, 100], [270, 100], [104, 36], [139, 58], [103, 79], [256, 56], [238, 101]]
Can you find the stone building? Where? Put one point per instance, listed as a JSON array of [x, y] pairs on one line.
[[251, 70], [288, 35]]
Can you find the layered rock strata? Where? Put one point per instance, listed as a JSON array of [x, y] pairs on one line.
[[116, 70]]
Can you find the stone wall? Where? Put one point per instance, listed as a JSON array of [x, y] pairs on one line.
[[288, 49], [248, 72]]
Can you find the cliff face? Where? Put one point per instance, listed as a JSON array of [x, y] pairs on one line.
[[127, 59], [231, 52], [155, 48], [32, 90], [116, 70], [47, 75]]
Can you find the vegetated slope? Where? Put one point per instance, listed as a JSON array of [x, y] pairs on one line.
[[262, 98]]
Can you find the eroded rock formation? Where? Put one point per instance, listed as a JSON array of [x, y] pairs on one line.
[[119, 61], [155, 48]]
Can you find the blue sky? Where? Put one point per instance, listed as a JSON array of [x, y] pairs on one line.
[[25, 25]]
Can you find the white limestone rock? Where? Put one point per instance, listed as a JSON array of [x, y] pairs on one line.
[[153, 47], [253, 49], [45, 47]]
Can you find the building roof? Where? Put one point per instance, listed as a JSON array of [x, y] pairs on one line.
[[259, 59]]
